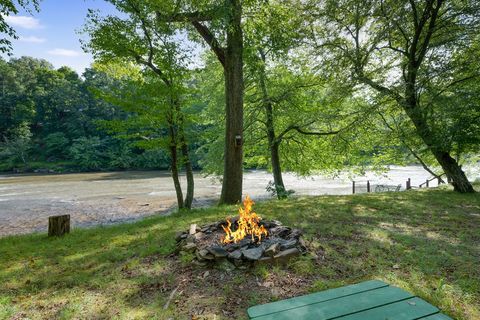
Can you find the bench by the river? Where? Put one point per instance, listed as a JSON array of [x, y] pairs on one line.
[[387, 188], [370, 300]]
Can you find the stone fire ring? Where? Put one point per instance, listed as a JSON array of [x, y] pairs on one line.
[[281, 244]]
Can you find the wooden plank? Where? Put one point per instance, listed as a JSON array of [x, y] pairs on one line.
[[438, 316], [268, 308], [410, 309], [341, 306]]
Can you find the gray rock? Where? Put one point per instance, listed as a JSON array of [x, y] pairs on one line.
[[208, 227], [180, 235], [280, 231], [189, 247], [272, 250], [276, 222], [287, 254], [253, 253], [203, 254], [218, 252], [242, 244], [225, 265], [199, 263], [289, 244], [295, 234], [237, 254], [190, 239], [302, 244], [232, 247], [270, 223], [198, 235], [265, 260]]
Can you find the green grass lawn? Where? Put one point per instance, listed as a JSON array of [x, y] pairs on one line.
[[427, 242]]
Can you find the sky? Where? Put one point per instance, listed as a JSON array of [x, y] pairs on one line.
[[51, 34]]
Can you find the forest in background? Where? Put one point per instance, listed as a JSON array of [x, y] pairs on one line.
[[56, 120], [51, 120]]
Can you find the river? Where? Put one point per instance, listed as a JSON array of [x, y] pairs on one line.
[[26, 201]]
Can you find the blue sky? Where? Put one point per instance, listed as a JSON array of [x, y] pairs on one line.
[[51, 34]]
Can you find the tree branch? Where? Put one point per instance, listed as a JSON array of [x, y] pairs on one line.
[[375, 85], [431, 27], [424, 165], [207, 15], [209, 38]]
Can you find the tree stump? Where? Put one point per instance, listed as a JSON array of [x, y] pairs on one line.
[[58, 225]]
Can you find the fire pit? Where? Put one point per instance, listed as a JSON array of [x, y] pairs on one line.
[[243, 240]]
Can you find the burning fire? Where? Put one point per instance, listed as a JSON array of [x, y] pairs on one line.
[[247, 224]]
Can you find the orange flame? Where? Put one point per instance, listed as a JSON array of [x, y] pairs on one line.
[[247, 224]]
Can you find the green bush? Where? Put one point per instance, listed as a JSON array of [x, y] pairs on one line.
[[89, 153], [56, 145]]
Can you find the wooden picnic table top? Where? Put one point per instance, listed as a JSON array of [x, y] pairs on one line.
[[369, 300]]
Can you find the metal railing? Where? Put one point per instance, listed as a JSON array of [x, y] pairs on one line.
[[371, 187]]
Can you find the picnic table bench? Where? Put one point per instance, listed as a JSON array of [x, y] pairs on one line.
[[386, 187], [370, 300]]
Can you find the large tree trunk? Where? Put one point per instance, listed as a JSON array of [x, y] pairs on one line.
[[233, 71], [273, 144], [454, 172], [449, 165], [174, 164]]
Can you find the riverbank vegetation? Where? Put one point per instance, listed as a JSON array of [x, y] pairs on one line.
[[425, 241]]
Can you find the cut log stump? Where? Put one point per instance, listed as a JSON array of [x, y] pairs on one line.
[[58, 225]]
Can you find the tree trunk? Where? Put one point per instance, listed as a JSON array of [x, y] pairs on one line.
[[277, 171], [174, 164], [233, 71], [58, 225], [273, 144], [449, 165], [185, 154], [188, 168], [454, 172]]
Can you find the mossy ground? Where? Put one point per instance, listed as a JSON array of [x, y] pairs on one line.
[[426, 241]]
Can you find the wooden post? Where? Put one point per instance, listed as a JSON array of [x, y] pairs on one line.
[[353, 187], [58, 225], [427, 183], [368, 185], [409, 184], [439, 180]]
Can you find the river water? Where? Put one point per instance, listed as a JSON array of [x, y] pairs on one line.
[[26, 201]]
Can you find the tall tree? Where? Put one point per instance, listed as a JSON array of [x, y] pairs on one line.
[[141, 39], [297, 106], [214, 22], [407, 51]]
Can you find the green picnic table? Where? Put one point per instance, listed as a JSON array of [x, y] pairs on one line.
[[369, 300]]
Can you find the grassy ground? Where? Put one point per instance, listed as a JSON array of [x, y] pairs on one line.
[[427, 242]]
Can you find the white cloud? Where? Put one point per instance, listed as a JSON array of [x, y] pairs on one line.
[[23, 22], [65, 52], [32, 39]]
